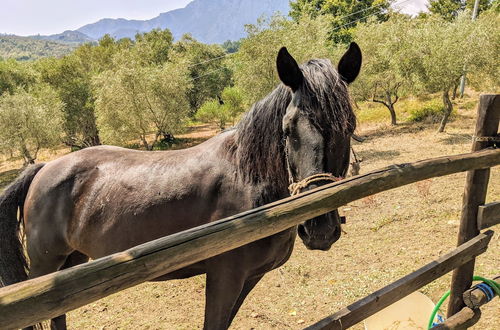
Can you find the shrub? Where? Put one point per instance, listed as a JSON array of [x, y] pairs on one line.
[[431, 112]]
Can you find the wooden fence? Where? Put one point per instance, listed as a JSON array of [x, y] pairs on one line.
[[42, 298]]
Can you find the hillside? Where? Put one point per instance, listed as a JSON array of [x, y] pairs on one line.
[[210, 21], [67, 37], [25, 48]]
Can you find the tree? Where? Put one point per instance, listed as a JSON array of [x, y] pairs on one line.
[[208, 70], [255, 63], [14, 74], [72, 77], [450, 9], [136, 101], [154, 47], [30, 121], [223, 110], [231, 46], [382, 78], [343, 15], [447, 9], [439, 49]]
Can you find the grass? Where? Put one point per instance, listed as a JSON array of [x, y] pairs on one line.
[[425, 108], [388, 235]]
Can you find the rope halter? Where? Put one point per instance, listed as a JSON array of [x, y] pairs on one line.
[[296, 187]]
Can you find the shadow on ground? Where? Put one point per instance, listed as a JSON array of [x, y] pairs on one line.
[[452, 139], [374, 154]]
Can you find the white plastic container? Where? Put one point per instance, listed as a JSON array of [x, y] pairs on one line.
[[411, 312]]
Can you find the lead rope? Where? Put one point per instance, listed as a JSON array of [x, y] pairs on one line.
[[296, 187]]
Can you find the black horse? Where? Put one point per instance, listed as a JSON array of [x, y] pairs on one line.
[[102, 200]]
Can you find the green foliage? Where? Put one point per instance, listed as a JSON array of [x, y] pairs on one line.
[[30, 121], [447, 9], [485, 75], [437, 50], [208, 69], [134, 101], [25, 49], [382, 77], [231, 46], [213, 111], [15, 74], [255, 63], [450, 9], [154, 47], [430, 112], [72, 77], [342, 15]]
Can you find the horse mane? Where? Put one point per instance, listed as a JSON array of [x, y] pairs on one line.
[[257, 147]]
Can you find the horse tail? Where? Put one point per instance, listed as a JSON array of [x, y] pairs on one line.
[[13, 263]]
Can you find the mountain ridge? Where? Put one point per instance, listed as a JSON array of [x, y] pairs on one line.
[[200, 18]]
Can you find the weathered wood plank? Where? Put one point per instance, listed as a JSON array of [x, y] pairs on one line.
[[395, 291], [464, 319], [54, 294], [475, 297], [476, 185], [488, 215]]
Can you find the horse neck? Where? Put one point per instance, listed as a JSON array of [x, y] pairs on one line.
[[258, 144]]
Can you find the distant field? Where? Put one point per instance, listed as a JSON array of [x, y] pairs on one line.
[[387, 236]]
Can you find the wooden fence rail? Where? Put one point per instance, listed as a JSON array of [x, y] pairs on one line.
[[395, 291], [42, 298]]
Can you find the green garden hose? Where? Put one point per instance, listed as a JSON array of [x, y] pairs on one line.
[[492, 284]]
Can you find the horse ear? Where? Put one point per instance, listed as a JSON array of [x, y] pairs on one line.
[[350, 63], [288, 70]]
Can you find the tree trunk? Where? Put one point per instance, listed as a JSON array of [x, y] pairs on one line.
[[92, 138], [390, 106], [455, 89], [145, 142], [448, 107], [28, 159]]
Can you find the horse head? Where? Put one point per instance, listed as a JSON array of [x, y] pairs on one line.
[[317, 128]]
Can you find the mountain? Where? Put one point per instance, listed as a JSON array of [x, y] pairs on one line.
[[25, 48], [209, 21], [67, 37]]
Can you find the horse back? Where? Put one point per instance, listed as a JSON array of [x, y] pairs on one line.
[[105, 199]]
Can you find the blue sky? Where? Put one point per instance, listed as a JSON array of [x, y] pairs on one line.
[[28, 17]]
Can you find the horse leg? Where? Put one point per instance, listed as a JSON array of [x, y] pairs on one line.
[[224, 286], [75, 258], [247, 287], [42, 264]]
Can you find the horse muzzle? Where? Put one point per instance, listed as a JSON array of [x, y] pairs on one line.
[[321, 232]]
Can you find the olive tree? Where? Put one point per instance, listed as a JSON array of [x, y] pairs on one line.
[[29, 121], [143, 102], [382, 78], [255, 63], [207, 68], [223, 110], [342, 15], [438, 51]]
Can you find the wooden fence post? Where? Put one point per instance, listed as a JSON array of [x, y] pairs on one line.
[[476, 185]]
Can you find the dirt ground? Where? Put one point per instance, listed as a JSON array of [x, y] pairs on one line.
[[387, 236]]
